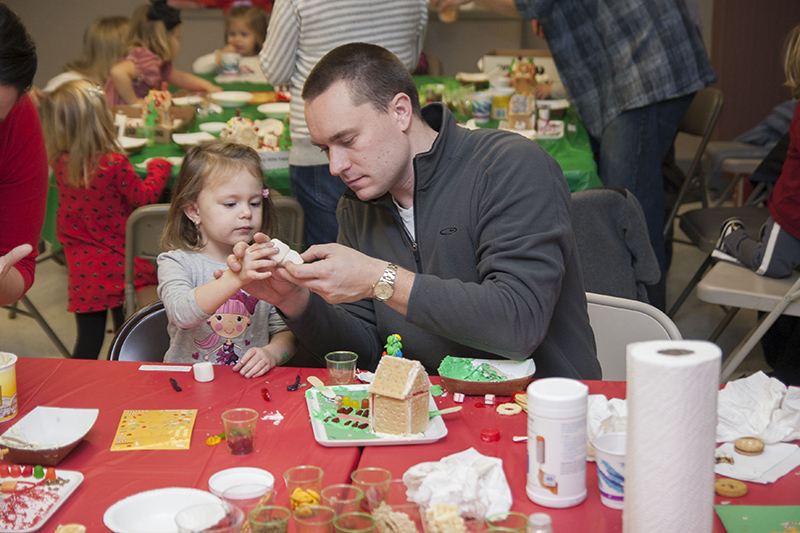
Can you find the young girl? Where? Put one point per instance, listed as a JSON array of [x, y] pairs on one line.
[[104, 44], [245, 32], [219, 200], [153, 43], [97, 191], [776, 253]]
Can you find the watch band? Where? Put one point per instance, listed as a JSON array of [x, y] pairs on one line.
[[384, 288]]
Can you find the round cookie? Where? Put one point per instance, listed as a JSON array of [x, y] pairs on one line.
[[730, 488], [748, 446]]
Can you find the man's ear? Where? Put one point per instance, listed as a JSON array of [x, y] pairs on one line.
[[403, 110]]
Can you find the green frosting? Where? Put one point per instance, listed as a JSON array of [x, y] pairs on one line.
[[462, 368], [437, 390]]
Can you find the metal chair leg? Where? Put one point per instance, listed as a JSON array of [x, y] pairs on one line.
[[34, 313]]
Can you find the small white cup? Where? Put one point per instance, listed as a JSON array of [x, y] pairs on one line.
[[203, 371], [482, 106], [610, 459], [230, 63]]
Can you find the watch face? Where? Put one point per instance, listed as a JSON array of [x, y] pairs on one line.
[[383, 291]]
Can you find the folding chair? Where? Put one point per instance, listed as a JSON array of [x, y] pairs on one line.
[[739, 159], [700, 120], [737, 287], [290, 221], [617, 322], [143, 337], [142, 236]]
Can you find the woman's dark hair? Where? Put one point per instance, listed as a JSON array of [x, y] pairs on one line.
[[17, 52]]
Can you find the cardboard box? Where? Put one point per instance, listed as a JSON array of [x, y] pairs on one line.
[[501, 60]]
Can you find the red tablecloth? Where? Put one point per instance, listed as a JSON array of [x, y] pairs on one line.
[[116, 386], [463, 432]]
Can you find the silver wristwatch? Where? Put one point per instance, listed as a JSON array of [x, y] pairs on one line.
[[384, 288]]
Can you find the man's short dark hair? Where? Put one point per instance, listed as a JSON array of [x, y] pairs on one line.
[[17, 52], [373, 74]]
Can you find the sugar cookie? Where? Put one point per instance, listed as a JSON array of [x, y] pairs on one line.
[[730, 488], [508, 409]]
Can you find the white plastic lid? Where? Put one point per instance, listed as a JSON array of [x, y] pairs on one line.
[[557, 397]]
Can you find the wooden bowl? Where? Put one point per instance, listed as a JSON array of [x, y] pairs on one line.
[[480, 388]]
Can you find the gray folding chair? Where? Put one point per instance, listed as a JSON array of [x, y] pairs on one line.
[[700, 120], [142, 236], [737, 287], [290, 221], [617, 322]]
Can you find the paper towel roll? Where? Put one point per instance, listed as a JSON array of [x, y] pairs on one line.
[[203, 371], [672, 416]]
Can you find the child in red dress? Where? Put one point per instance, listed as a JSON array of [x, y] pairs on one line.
[[98, 189]]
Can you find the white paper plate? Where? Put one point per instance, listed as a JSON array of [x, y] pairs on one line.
[[231, 98], [176, 161], [245, 475], [272, 108], [187, 100], [436, 428], [212, 127], [189, 139], [153, 511], [132, 144], [47, 428], [72, 478]]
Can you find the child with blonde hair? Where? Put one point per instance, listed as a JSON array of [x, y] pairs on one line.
[[776, 252], [97, 191], [245, 33], [219, 200], [104, 44], [153, 42]]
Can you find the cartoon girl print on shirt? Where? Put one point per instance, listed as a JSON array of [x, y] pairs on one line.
[[230, 321]]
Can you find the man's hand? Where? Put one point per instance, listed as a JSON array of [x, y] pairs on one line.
[[337, 273]]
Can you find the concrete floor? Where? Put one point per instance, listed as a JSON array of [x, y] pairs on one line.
[[695, 320]]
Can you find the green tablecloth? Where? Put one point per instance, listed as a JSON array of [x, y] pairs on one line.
[[573, 151]]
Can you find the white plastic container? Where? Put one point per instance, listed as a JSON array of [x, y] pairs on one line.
[[557, 442]]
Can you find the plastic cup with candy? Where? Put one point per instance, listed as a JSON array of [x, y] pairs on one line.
[[304, 483]]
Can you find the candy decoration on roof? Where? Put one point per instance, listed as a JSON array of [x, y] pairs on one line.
[[393, 346]]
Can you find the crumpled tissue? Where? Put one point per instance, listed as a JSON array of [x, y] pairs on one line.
[[604, 416], [462, 478], [758, 406]]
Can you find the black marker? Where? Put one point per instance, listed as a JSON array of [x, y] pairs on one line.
[[175, 385]]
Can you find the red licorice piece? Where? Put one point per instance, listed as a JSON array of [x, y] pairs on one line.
[[15, 471], [27, 471], [265, 394], [490, 435]]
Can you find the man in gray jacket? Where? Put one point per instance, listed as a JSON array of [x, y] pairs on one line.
[[460, 241]]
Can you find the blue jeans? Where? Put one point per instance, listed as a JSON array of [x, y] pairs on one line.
[[318, 192], [630, 152]]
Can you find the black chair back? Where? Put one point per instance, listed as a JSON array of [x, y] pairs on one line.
[[143, 337]]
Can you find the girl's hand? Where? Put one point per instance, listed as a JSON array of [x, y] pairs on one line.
[[256, 261], [256, 362]]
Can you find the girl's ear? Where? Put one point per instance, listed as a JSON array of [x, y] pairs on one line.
[[192, 213]]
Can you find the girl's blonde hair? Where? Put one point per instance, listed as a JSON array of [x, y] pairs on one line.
[[791, 65], [203, 165], [104, 43], [150, 34], [76, 120], [256, 19]]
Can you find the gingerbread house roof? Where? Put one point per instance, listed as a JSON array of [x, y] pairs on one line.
[[399, 378]]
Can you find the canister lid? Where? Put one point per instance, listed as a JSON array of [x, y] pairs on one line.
[[557, 397]]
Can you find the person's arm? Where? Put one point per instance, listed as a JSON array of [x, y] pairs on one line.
[[279, 53], [12, 285], [187, 80], [206, 64], [506, 7], [138, 191], [258, 361], [122, 76]]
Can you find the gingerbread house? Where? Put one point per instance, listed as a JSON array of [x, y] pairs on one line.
[[399, 397]]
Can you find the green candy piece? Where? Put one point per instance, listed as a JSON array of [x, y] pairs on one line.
[[38, 471]]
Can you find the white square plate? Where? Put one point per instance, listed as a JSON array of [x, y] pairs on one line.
[[436, 428]]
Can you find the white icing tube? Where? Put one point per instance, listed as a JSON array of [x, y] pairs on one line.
[[203, 371]]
